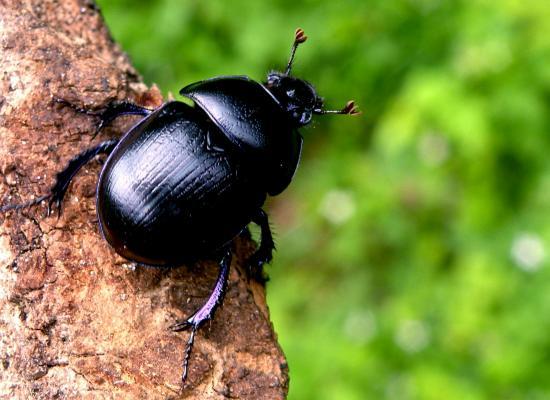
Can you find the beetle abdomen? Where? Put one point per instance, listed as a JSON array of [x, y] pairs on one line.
[[164, 195]]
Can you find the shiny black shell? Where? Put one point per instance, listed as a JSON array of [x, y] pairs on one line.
[[180, 185], [253, 120]]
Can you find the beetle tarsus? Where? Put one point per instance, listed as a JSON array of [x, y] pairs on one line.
[[26, 204], [264, 253], [206, 312], [187, 356]]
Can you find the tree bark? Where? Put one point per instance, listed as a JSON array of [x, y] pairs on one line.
[[76, 319]]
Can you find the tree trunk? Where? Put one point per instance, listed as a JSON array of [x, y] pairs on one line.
[[76, 319]]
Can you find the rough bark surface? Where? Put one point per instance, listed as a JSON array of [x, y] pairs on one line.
[[77, 320]]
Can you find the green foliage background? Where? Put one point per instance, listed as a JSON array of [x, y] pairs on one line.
[[412, 243]]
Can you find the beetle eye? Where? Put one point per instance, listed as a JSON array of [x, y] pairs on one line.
[[305, 118]]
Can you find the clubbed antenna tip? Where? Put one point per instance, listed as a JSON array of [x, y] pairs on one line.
[[351, 109], [299, 38]]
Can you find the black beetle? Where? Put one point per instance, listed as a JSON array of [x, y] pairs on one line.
[[183, 182]]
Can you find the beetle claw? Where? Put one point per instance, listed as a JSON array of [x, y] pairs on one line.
[[55, 201], [180, 326]]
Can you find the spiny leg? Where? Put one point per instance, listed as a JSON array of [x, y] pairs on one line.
[[264, 253], [206, 312], [108, 114], [63, 178]]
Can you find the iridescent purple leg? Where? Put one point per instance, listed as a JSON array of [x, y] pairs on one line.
[[206, 312]]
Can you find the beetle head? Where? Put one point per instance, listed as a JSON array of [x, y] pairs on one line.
[[297, 96]]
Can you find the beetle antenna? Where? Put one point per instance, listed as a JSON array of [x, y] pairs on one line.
[[349, 109], [299, 38]]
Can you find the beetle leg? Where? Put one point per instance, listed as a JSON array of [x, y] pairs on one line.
[[264, 253], [112, 111], [63, 178], [206, 312], [116, 109]]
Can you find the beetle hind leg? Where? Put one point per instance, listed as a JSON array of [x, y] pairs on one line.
[[264, 253], [204, 313]]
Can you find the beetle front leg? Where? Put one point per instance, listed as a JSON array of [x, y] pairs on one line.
[[206, 312], [64, 178], [112, 111], [264, 253]]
